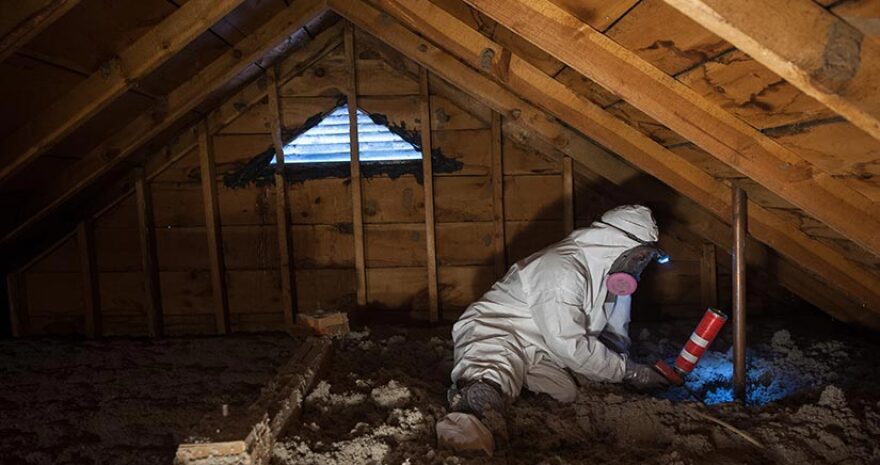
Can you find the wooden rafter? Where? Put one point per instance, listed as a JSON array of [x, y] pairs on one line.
[[681, 109], [108, 83], [819, 53], [25, 19], [586, 117], [178, 103]]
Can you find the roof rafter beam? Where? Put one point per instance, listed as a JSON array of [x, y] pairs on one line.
[[679, 108], [112, 80], [177, 104], [819, 53], [25, 19], [466, 45]]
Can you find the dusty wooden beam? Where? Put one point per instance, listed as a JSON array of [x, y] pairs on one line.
[[282, 206], [85, 238], [149, 256], [25, 19], [16, 289], [708, 276], [213, 229], [681, 109], [356, 188], [819, 53], [586, 117], [567, 194], [428, 174], [113, 79], [500, 259], [179, 102], [248, 438]]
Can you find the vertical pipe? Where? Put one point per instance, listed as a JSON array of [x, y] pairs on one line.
[[740, 215]]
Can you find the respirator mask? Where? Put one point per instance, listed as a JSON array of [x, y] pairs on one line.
[[623, 277]]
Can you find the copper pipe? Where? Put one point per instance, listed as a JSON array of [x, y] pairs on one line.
[[740, 216]]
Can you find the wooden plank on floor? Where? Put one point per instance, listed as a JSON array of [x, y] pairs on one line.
[[248, 438], [149, 256], [282, 206], [356, 190], [85, 237], [428, 174], [213, 228]]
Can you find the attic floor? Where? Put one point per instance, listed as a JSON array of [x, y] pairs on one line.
[[386, 388], [133, 401]]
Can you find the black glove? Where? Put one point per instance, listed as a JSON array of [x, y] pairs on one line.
[[643, 377]]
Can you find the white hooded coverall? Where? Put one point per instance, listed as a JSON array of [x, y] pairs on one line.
[[548, 313]]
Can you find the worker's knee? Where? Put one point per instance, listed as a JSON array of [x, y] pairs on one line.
[[553, 381]]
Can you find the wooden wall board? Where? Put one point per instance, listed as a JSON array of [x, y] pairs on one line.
[[323, 246], [189, 324], [404, 111], [327, 77], [395, 245], [178, 205], [295, 111], [404, 289], [320, 201], [257, 322], [250, 247], [520, 158], [56, 325], [65, 298], [122, 293], [124, 326], [584, 86], [529, 198], [118, 249], [182, 249], [644, 123], [666, 38], [233, 151], [183, 170], [600, 14], [388, 200], [122, 215], [253, 120], [251, 205], [527, 237], [463, 244], [462, 285], [749, 90], [376, 76], [463, 198], [331, 289], [63, 259], [187, 293], [471, 147], [254, 291]]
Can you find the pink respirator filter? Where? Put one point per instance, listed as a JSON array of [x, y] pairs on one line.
[[621, 283]]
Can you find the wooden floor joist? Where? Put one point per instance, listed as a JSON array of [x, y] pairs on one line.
[[810, 47], [213, 229], [428, 175], [113, 79], [178, 103], [282, 205], [719, 133], [593, 121], [356, 188]]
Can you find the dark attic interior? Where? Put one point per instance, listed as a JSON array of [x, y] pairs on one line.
[[272, 232]]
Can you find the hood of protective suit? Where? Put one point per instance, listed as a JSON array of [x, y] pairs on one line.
[[602, 244]]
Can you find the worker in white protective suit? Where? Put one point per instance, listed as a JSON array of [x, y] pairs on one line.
[[563, 310]]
